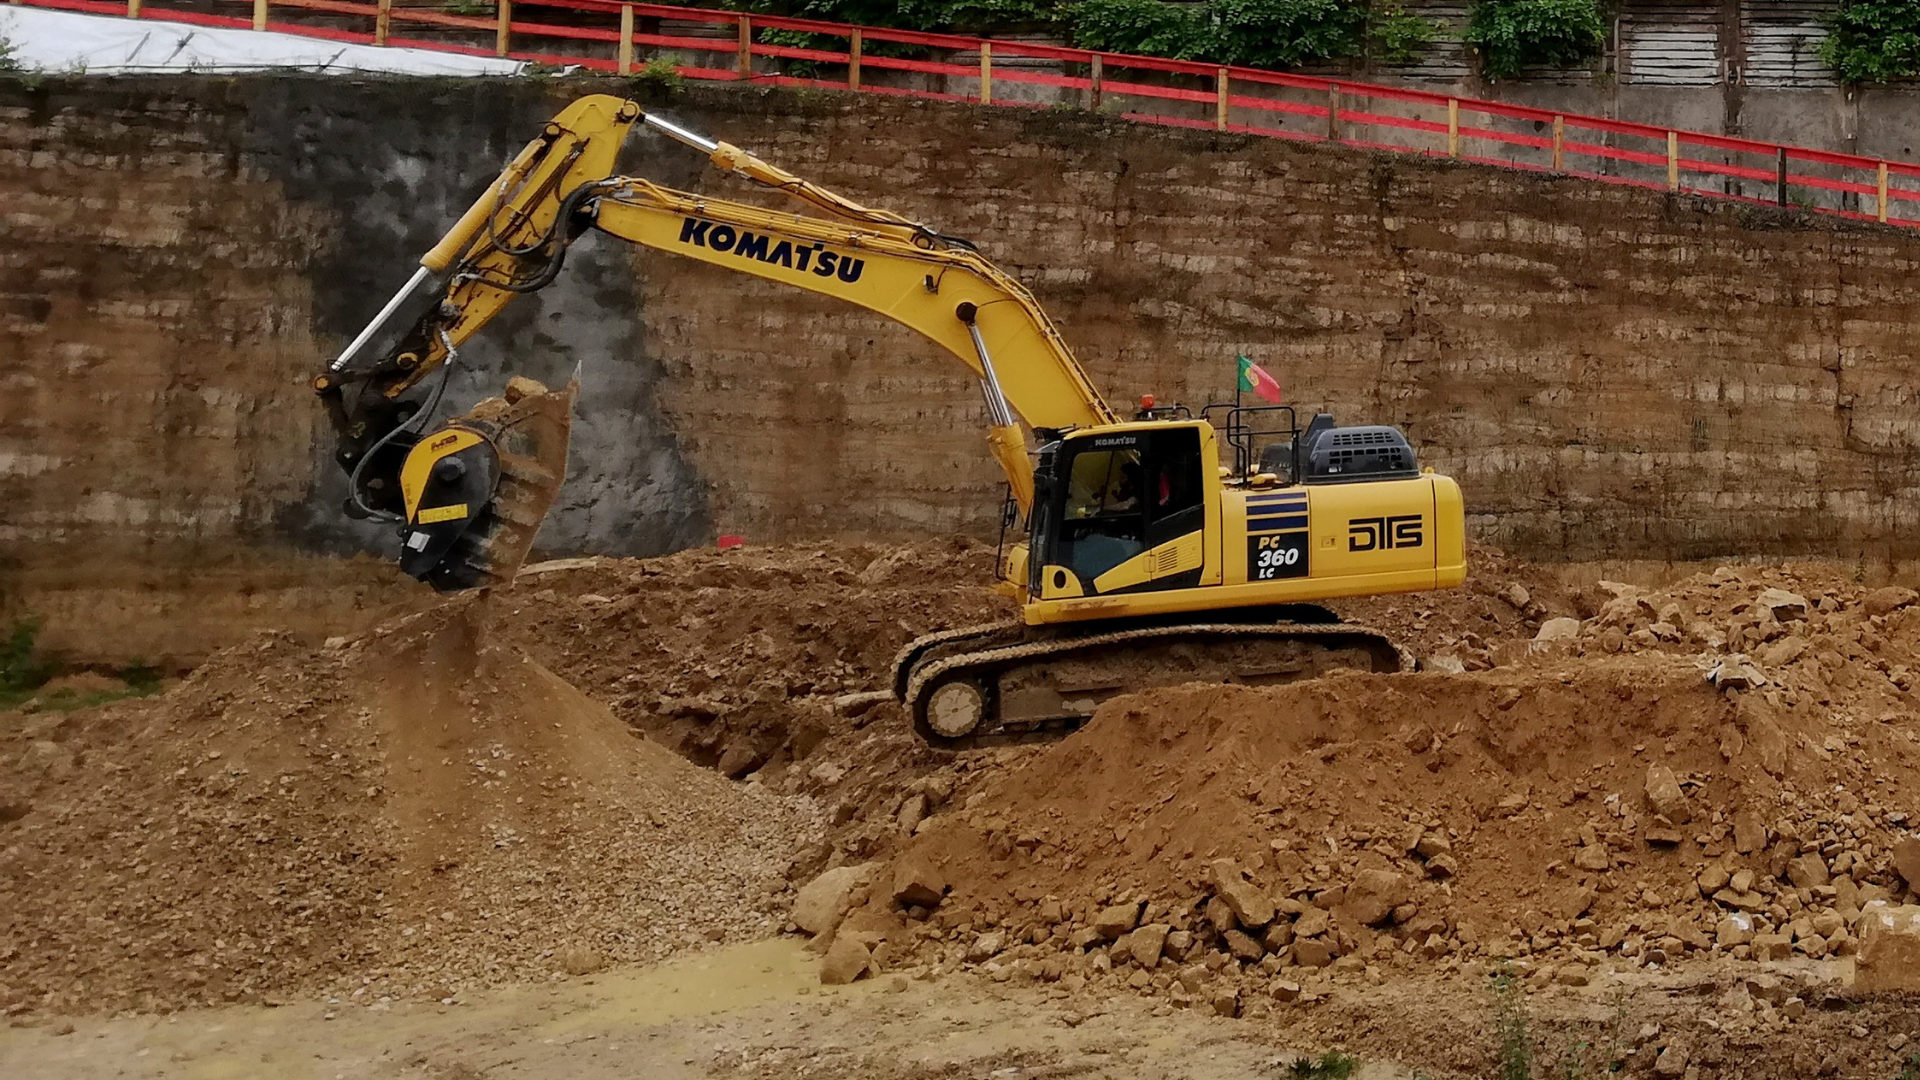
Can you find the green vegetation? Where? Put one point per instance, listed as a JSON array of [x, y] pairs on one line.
[[1397, 37], [1254, 33], [23, 676], [1332, 1065], [1910, 1070], [1513, 1040], [470, 7], [1873, 41], [1512, 35], [661, 72], [9, 56], [1143, 27]]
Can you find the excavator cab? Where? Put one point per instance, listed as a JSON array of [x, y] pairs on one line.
[[1119, 510]]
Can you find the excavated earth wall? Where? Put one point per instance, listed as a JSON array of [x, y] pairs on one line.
[[1611, 372]]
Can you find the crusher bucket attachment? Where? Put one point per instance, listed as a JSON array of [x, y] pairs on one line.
[[477, 488]]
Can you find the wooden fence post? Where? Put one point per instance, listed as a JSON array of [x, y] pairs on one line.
[[1559, 143], [259, 14], [383, 22], [1882, 203], [853, 61], [503, 28], [1220, 93], [745, 69], [1453, 127], [133, 9], [1781, 189], [1333, 111], [986, 73], [1093, 77], [626, 38], [1673, 161]]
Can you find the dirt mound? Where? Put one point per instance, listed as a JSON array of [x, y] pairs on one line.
[[1573, 809], [412, 812]]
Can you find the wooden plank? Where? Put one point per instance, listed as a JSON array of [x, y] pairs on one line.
[[1453, 127], [503, 28], [853, 60], [1673, 161], [1093, 77], [986, 73], [1559, 143], [1880, 203], [383, 22], [1333, 111], [626, 39], [1220, 106], [133, 9], [745, 48], [259, 14]]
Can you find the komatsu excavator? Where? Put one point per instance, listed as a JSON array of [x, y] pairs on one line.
[[1159, 548]]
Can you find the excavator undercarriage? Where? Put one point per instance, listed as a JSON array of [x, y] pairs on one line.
[[1007, 682]]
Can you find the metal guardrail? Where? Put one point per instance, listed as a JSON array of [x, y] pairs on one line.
[[1188, 94]]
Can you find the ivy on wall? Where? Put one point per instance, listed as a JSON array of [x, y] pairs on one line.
[[1512, 35], [1872, 41], [1254, 33]]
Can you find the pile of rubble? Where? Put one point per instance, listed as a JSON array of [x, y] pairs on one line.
[[407, 814], [1594, 800]]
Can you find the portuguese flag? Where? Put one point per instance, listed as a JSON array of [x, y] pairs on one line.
[[1258, 382]]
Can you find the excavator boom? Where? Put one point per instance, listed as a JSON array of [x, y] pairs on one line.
[[514, 239]]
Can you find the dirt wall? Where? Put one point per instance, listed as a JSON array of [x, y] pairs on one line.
[[1611, 373]]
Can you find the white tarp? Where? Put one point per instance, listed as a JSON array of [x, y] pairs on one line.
[[63, 41]]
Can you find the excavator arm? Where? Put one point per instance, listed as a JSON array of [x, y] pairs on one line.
[[446, 488]]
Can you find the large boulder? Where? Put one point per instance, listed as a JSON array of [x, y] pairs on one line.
[[1665, 797], [1373, 894], [1889, 956], [1891, 598], [918, 883], [1117, 919], [821, 903], [846, 960], [1251, 908]]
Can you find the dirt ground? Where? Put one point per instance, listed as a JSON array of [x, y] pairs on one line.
[[625, 817]]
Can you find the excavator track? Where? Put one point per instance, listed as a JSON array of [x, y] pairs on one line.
[[998, 692]]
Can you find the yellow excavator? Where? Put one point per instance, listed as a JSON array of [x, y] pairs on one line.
[[1159, 548]]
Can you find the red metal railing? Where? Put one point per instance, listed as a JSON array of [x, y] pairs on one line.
[[1152, 90]]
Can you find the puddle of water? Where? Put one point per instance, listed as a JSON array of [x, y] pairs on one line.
[[735, 977]]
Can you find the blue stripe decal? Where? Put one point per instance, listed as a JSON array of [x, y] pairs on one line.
[[1301, 497], [1290, 521]]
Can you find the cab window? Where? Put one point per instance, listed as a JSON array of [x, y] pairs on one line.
[[1104, 521]]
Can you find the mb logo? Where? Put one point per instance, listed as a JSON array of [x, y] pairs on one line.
[[1374, 534]]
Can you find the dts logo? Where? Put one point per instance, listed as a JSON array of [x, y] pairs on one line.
[[1374, 534]]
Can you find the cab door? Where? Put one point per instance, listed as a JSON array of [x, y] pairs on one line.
[[1176, 508]]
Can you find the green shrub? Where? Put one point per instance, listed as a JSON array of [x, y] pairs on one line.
[[1513, 1040], [1286, 33], [1512, 35], [1872, 41], [1144, 27], [9, 56], [1332, 1065], [662, 72], [20, 673], [1397, 37]]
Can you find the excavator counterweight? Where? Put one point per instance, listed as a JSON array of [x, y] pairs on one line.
[[1161, 547]]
